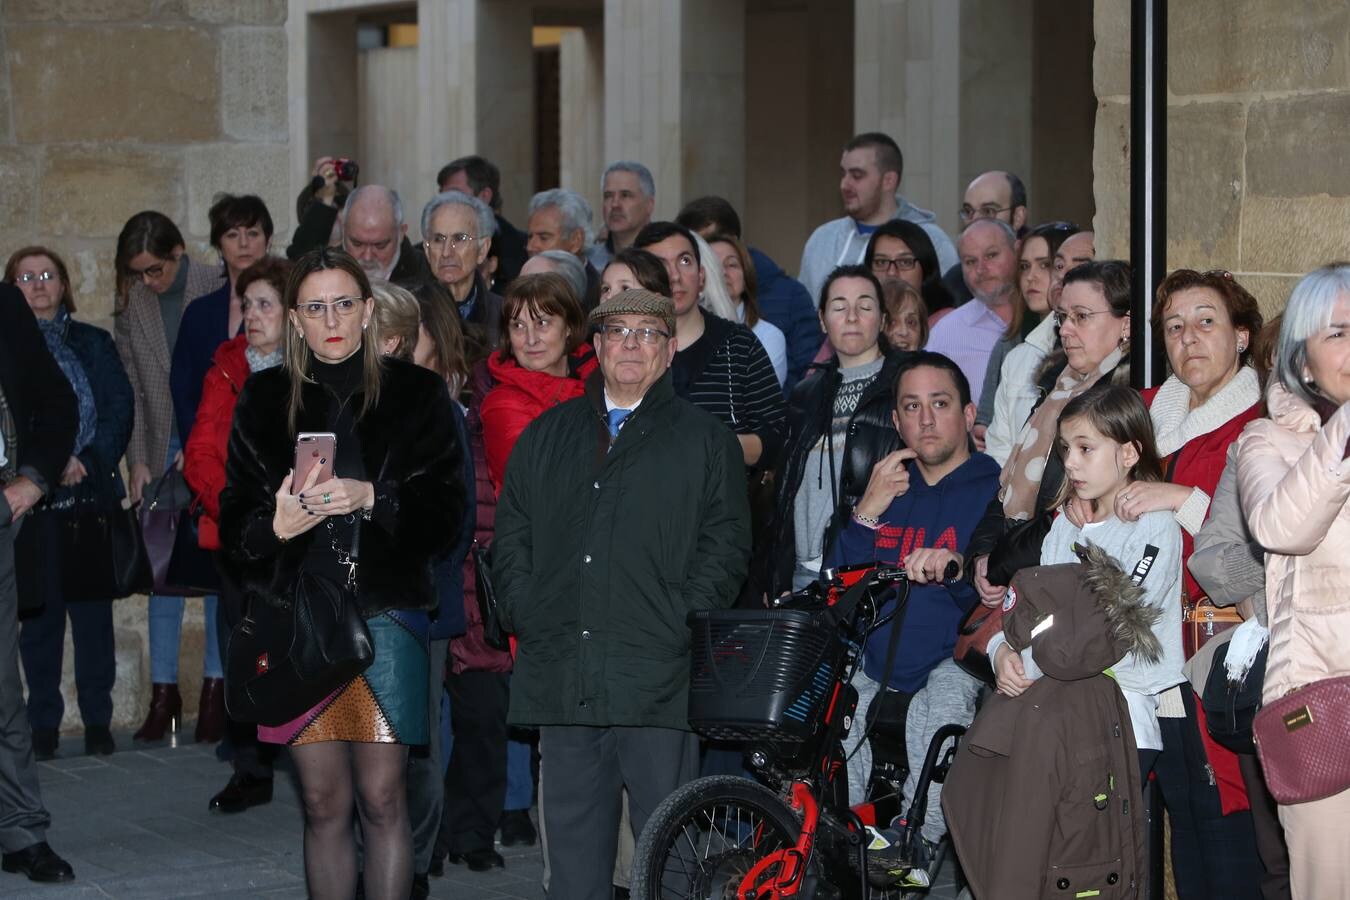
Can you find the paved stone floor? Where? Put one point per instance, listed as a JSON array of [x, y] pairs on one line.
[[134, 825]]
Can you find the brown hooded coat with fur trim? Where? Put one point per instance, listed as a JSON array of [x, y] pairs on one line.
[[1043, 799]]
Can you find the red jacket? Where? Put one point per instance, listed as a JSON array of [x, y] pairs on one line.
[[520, 397], [208, 444], [1200, 463]]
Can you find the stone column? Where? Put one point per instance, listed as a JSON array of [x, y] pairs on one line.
[[675, 95], [476, 74], [583, 111]]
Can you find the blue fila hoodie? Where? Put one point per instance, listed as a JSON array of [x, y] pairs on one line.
[[938, 515]]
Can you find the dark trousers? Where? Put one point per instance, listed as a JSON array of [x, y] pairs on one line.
[[585, 770], [426, 773], [475, 783], [42, 644], [23, 818], [251, 756], [1269, 833], [1213, 855]]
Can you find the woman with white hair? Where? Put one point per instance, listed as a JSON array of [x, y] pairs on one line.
[[1294, 480]]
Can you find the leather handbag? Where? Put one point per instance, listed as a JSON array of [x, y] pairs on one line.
[[493, 634], [105, 556], [1202, 620], [282, 661], [178, 564], [1301, 739], [972, 641]]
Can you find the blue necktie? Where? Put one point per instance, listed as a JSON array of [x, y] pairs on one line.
[[616, 417]]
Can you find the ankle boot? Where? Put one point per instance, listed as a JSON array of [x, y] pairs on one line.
[[166, 710], [211, 712]]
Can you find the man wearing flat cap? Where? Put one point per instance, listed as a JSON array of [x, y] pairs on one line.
[[621, 512]]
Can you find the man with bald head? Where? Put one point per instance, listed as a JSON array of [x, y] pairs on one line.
[[988, 249], [373, 230], [990, 195]]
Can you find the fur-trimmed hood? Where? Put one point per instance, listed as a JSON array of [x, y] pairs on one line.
[[1095, 613]]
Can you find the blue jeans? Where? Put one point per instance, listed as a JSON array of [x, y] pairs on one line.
[[519, 777], [166, 625]]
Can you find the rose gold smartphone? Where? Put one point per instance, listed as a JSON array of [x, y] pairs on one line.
[[313, 448]]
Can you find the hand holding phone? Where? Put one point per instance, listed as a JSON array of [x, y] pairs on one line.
[[313, 449]]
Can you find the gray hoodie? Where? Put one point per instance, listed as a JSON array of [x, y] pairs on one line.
[[838, 243]]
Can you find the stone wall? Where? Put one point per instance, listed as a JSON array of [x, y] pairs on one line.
[[1258, 167], [109, 107]]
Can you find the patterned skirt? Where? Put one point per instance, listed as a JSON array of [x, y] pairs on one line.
[[385, 704]]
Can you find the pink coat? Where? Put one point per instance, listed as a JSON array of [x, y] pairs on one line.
[[1294, 481]]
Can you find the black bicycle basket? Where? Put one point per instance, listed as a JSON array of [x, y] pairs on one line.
[[762, 674]]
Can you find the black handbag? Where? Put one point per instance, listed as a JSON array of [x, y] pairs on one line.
[[85, 547], [493, 633], [1230, 708], [178, 564], [282, 660]]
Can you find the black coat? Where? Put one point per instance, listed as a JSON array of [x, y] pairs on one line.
[[412, 456], [602, 550], [511, 254], [43, 406], [114, 403], [871, 435]]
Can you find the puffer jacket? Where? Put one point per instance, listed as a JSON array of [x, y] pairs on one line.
[[1042, 798], [871, 435], [208, 445], [1294, 480]]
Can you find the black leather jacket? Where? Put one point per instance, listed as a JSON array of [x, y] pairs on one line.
[[871, 435]]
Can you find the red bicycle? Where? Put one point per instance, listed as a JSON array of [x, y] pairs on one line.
[[780, 681]]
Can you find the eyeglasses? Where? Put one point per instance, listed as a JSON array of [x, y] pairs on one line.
[[542, 325], [29, 277], [456, 240], [1078, 317], [618, 334], [988, 211], [899, 263], [317, 309], [151, 272]]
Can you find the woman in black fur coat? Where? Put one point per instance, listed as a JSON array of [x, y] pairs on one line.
[[396, 498]]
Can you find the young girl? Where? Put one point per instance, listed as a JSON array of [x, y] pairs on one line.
[[1106, 441]]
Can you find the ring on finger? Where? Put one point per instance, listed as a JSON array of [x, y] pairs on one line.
[[327, 497]]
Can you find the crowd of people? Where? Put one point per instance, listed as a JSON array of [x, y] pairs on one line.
[[549, 445]]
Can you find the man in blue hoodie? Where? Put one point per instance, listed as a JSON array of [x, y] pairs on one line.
[[921, 505], [869, 185], [782, 299]]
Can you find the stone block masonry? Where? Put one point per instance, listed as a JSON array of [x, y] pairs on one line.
[[1258, 167], [110, 107]]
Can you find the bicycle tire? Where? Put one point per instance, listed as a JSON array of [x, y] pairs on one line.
[[706, 806]]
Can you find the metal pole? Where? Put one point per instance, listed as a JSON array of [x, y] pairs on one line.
[[1148, 181]]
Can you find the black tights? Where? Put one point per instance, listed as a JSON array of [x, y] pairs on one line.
[[333, 776]]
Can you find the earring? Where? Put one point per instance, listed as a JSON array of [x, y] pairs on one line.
[[1241, 347]]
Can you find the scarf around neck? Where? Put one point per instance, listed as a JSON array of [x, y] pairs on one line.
[[1021, 477], [55, 331], [1176, 424]]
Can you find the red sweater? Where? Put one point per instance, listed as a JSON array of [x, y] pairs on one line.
[[1200, 463], [208, 444], [521, 396]]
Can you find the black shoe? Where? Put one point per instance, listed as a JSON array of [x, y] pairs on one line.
[[39, 862], [45, 742], [421, 888], [517, 829], [242, 792], [98, 741], [478, 860]]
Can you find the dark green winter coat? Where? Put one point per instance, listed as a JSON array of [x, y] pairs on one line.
[[600, 553]]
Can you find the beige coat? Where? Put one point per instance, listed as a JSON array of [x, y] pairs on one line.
[[1294, 481], [147, 356]]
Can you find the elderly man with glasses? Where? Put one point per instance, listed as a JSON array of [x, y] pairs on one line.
[[622, 511]]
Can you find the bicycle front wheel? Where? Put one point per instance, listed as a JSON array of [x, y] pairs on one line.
[[703, 840]]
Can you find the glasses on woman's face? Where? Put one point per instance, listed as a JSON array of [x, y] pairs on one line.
[[317, 309], [618, 334], [1078, 317], [150, 273], [882, 264], [30, 277]]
